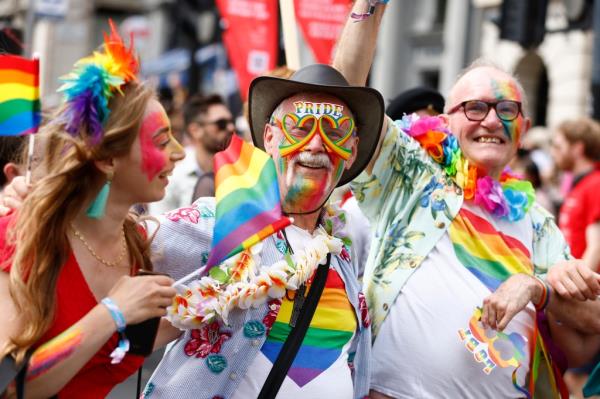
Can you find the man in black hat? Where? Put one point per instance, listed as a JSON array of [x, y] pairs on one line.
[[420, 100], [312, 126]]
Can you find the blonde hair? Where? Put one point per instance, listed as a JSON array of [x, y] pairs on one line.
[[39, 233]]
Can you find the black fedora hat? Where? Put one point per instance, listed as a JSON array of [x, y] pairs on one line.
[[366, 104], [413, 100]]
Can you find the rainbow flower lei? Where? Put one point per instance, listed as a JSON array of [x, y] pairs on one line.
[[242, 282], [94, 80], [509, 198]]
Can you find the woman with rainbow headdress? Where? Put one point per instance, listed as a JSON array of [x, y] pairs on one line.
[[69, 254]]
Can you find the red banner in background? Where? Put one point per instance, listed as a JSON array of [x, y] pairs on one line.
[[250, 35], [321, 22]]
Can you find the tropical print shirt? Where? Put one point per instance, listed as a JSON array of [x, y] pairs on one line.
[[411, 204]]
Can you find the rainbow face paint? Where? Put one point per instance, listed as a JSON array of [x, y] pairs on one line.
[[507, 90], [154, 131], [54, 351], [304, 190]]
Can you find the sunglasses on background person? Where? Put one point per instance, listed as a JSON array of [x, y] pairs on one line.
[[221, 124], [477, 110]]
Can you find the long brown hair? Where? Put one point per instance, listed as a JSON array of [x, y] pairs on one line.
[[39, 233]]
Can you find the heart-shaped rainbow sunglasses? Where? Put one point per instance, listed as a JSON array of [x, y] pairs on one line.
[[299, 131]]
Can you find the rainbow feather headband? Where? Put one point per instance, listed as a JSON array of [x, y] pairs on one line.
[[94, 81], [510, 198]]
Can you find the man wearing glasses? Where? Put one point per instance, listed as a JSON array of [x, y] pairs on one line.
[[209, 124], [456, 281]]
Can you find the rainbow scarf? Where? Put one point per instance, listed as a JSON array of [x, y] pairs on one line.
[[509, 198], [492, 257], [332, 326], [247, 197], [19, 95]]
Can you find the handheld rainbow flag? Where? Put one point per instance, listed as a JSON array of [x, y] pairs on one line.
[[247, 196], [19, 95]]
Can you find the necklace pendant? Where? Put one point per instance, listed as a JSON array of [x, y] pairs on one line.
[[298, 303]]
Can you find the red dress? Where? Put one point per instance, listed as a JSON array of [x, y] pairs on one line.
[[74, 299]]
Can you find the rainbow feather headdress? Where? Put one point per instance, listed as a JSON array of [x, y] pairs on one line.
[[94, 81]]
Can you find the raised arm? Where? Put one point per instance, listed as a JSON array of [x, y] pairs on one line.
[[356, 46], [355, 52]]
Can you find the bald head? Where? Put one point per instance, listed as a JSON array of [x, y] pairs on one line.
[[479, 71], [485, 113]]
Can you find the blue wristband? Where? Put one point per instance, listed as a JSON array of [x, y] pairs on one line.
[[115, 313], [123, 346]]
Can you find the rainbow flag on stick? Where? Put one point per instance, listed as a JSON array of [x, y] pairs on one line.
[[247, 196], [19, 95]]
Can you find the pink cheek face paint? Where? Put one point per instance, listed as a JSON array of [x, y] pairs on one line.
[[153, 158]]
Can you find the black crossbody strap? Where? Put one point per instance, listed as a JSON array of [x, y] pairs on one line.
[[20, 380], [294, 340], [10, 371]]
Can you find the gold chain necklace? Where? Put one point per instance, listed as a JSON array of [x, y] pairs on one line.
[[98, 257]]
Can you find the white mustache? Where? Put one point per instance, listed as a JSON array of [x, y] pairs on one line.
[[313, 160]]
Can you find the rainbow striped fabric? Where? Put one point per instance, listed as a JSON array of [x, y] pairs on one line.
[[487, 253], [19, 95], [247, 197], [332, 326], [493, 257]]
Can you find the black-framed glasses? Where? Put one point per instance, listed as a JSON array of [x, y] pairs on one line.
[[222, 123], [477, 110]]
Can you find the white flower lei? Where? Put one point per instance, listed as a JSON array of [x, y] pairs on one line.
[[240, 282]]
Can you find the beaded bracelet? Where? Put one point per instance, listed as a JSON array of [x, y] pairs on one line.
[[123, 346], [546, 293]]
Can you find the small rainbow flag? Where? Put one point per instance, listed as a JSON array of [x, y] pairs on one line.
[[247, 196], [19, 95]]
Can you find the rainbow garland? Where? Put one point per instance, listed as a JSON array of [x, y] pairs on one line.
[[509, 198], [94, 81]]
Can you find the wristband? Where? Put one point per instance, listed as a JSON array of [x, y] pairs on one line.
[[371, 10], [545, 298], [122, 348]]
